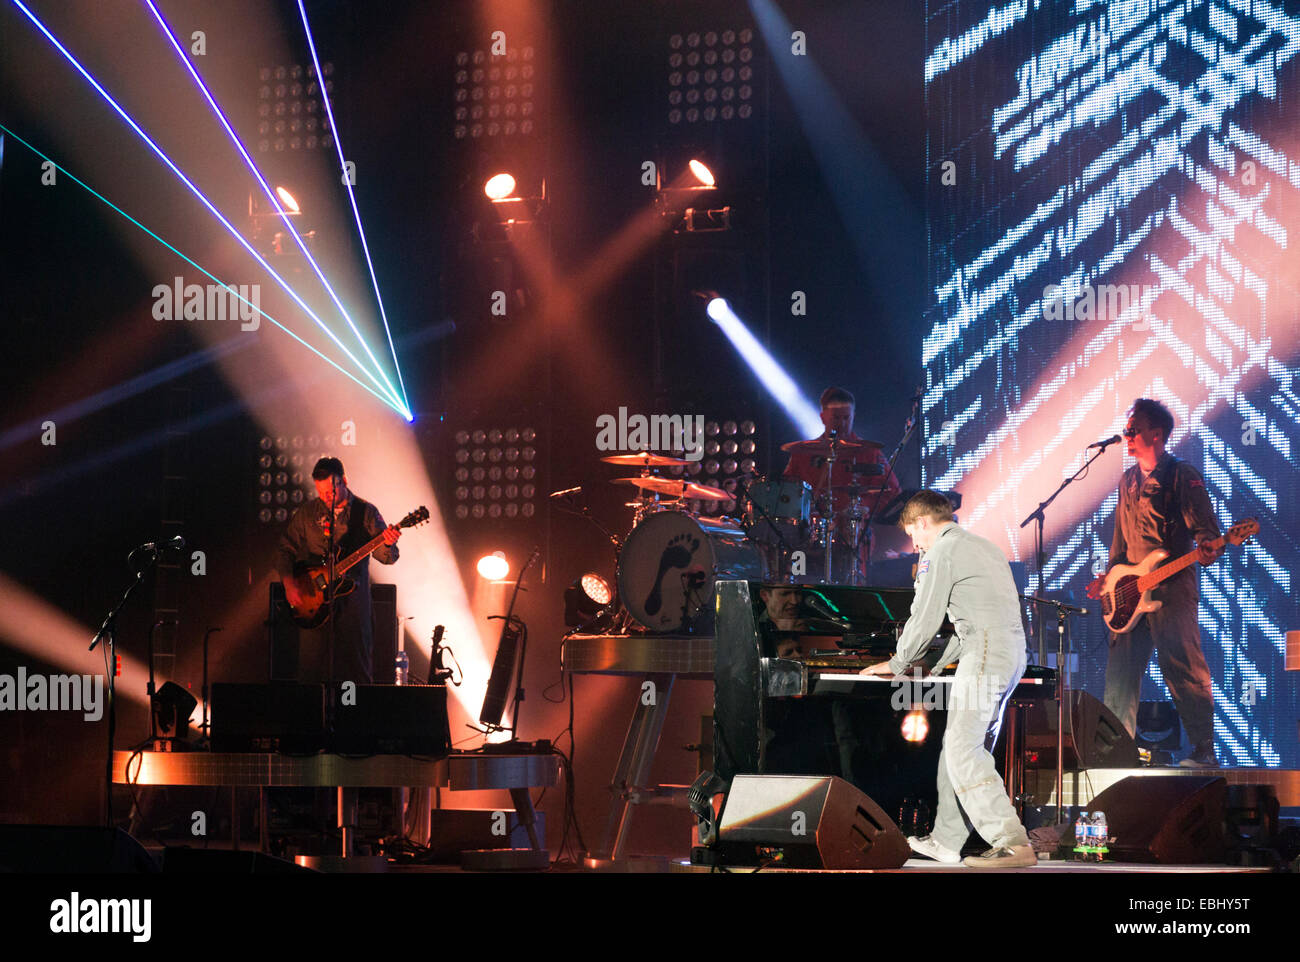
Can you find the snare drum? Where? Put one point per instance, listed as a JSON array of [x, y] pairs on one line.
[[670, 561]]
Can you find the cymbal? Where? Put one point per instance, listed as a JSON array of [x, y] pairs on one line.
[[644, 459], [822, 446], [677, 489]]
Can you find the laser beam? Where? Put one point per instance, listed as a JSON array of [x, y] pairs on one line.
[[193, 263], [347, 182], [390, 400], [273, 197]]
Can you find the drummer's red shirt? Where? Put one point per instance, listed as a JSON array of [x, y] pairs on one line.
[[805, 466]]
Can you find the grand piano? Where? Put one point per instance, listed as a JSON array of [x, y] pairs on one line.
[[788, 698]]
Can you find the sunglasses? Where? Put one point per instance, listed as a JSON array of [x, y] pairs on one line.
[[1132, 431]]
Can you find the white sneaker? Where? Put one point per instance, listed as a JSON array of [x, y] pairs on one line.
[[928, 847], [1018, 856]]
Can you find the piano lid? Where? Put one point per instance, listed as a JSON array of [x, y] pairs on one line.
[[843, 611]]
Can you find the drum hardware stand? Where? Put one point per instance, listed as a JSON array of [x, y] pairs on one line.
[[829, 534], [691, 582], [1063, 646], [1038, 515]]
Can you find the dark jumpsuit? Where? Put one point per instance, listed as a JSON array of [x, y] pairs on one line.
[[1171, 511]]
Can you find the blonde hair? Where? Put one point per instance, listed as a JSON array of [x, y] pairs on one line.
[[930, 503]]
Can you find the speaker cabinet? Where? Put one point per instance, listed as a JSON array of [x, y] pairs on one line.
[[819, 822], [279, 717], [1094, 737], [1168, 819], [71, 850], [383, 623]]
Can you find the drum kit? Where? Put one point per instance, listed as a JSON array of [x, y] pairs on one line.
[[677, 547]]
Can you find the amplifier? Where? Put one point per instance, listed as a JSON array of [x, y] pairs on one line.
[[279, 717], [393, 720]]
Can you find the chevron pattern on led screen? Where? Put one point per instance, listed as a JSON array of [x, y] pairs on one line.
[[1113, 208]]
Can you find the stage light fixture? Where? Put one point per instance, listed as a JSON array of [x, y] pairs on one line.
[[505, 83], [292, 93], [494, 566], [587, 602], [499, 186], [702, 173], [710, 75], [288, 200], [915, 726], [504, 458]]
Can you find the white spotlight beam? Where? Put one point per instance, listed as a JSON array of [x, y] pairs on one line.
[[800, 410]]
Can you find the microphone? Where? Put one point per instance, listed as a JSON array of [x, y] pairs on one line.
[[820, 606], [1103, 445], [566, 492], [176, 544]]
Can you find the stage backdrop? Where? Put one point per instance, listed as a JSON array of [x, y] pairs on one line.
[[1113, 196]]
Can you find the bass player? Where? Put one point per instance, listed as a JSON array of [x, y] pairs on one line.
[[1163, 504]]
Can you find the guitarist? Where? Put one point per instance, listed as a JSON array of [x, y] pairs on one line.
[[355, 522], [1163, 504]]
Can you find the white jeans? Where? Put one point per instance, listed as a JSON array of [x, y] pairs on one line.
[[971, 795]]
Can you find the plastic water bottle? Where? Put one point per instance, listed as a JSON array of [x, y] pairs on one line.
[[403, 663], [1081, 836], [1101, 835]]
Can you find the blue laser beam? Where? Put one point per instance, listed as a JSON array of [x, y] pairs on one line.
[[193, 263], [392, 399], [347, 182], [271, 196]]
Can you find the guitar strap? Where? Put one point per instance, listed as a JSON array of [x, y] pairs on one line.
[[356, 535]]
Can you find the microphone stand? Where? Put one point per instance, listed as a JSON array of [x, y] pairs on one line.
[[208, 634], [108, 634], [153, 715], [1062, 692], [330, 572], [909, 428], [1041, 562]]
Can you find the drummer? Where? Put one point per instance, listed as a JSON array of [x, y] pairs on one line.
[[808, 459], [852, 454]]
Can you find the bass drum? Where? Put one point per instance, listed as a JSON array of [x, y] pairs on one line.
[[670, 562]]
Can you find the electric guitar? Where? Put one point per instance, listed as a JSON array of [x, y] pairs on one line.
[[312, 580], [1126, 589]]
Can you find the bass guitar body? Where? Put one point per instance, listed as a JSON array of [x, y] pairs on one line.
[[312, 581], [1123, 603]]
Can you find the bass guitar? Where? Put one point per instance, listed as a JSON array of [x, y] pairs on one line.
[[312, 579], [1125, 591]]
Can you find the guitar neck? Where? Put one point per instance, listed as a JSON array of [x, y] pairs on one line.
[[359, 555], [1150, 580]]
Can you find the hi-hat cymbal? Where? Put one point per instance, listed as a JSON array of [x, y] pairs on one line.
[[822, 446], [644, 459], [677, 489]]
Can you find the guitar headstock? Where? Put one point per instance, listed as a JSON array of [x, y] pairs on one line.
[[1239, 533], [418, 516]]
